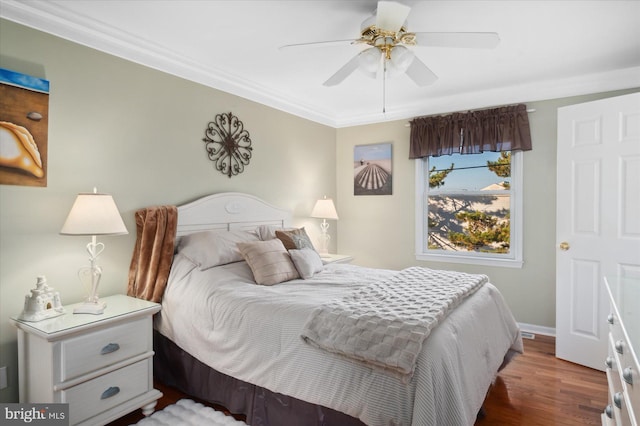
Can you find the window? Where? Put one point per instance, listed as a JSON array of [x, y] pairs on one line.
[[469, 208]]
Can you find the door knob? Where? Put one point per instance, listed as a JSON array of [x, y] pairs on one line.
[[564, 246]]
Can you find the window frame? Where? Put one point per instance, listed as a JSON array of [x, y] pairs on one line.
[[512, 260]]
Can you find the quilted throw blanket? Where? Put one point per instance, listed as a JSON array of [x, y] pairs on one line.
[[385, 324]]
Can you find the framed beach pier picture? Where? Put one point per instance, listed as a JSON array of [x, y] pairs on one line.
[[372, 169], [24, 123]]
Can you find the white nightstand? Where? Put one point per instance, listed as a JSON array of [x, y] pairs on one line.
[[335, 258], [101, 365]]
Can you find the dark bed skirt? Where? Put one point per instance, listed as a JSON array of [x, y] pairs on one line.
[[176, 368]]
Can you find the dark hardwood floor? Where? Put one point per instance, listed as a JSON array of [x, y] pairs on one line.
[[539, 389], [535, 389]]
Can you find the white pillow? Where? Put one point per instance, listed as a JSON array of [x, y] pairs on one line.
[[269, 261], [268, 232], [307, 261], [213, 248]]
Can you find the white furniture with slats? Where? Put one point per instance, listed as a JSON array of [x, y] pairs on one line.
[[623, 370], [101, 365]]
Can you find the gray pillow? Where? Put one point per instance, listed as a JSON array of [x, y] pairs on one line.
[[307, 261]]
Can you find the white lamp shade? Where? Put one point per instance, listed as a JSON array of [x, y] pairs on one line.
[[324, 209], [94, 214]]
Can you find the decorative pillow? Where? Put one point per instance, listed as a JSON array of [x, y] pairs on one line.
[[295, 239], [307, 261], [269, 261], [207, 249]]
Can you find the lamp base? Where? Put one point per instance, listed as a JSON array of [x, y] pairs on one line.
[[325, 238], [94, 308]]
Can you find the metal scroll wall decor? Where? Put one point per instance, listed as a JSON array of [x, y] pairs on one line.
[[228, 145]]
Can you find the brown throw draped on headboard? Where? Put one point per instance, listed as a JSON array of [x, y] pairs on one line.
[[153, 253]]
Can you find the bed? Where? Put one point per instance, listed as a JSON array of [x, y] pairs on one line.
[[223, 338]]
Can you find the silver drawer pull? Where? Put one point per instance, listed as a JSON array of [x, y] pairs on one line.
[[609, 362], [610, 319], [111, 347], [112, 391], [608, 411], [619, 346], [617, 399], [627, 375]]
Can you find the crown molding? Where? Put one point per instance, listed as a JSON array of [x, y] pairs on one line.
[[622, 79], [55, 19]]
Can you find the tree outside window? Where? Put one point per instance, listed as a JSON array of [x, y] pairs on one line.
[[469, 205]]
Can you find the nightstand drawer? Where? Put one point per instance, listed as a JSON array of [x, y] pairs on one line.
[[105, 392], [90, 352]]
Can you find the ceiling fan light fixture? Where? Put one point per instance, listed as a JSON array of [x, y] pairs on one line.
[[383, 41], [385, 38], [369, 61], [400, 61]]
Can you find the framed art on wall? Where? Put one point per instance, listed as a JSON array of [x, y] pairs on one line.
[[24, 122], [372, 169]]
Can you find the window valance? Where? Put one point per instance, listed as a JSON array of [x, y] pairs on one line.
[[497, 129]]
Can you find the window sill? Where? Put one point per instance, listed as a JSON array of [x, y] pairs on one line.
[[471, 260]]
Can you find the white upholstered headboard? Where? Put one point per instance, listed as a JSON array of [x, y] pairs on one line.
[[227, 211]]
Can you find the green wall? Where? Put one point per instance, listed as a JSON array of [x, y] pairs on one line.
[[135, 133]]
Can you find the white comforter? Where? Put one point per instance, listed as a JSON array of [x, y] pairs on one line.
[[252, 332]]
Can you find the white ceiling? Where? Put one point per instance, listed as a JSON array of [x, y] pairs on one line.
[[548, 49]]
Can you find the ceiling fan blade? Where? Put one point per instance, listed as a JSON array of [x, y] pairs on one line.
[[420, 73], [391, 16], [316, 44], [472, 40], [344, 72]]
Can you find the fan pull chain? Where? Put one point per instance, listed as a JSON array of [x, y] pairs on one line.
[[384, 85]]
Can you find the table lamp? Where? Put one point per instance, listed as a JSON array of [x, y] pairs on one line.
[[93, 214], [324, 209]]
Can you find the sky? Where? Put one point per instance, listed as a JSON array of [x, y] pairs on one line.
[[380, 151], [471, 179], [13, 78]]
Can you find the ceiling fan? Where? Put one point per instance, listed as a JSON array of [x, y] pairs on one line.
[[386, 38]]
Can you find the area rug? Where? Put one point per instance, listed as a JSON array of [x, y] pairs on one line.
[[189, 413]]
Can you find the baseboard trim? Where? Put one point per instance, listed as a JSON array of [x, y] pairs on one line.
[[537, 329]]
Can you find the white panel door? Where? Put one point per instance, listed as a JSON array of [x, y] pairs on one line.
[[597, 219]]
